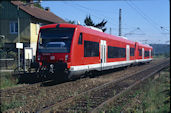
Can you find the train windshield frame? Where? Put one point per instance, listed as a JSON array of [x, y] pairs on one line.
[[55, 40]]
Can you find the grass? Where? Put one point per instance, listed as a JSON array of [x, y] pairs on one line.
[[153, 97], [7, 80], [156, 96], [13, 104]]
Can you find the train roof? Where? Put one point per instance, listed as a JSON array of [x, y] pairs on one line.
[[98, 33], [144, 45], [60, 25], [94, 32]]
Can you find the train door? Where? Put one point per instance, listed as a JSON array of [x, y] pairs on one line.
[[102, 53], [150, 53], [142, 53], [127, 52]]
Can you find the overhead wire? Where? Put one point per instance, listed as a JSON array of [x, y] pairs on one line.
[[98, 17], [143, 15], [91, 8], [96, 11], [133, 32], [83, 8], [154, 25]]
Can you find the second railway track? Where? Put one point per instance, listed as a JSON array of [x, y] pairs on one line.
[[92, 100]]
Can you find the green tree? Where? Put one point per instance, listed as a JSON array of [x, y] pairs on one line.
[[89, 22], [38, 5], [71, 21], [101, 25], [35, 4]]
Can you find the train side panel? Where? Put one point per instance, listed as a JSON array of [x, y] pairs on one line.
[[82, 62], [144, 53]]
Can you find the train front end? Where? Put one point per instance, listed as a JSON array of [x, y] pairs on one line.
[[53, 48]]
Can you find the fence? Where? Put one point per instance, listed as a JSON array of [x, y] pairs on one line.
[[8, 64]]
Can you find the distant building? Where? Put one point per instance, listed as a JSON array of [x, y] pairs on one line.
[[30, 20]]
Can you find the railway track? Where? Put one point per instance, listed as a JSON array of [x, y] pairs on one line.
[[94, 99], [61, 92]]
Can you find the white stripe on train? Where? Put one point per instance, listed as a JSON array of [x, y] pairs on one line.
[[108, 64]]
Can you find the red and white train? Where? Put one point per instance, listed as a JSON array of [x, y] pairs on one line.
[[77, 49]]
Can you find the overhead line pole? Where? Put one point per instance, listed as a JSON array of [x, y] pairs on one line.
[[120, 22], [18, 19], [110, 31]]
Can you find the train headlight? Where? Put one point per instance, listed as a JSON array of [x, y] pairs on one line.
[[66, 57], [52, 57]]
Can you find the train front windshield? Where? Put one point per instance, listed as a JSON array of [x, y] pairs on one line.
[[55, 40]]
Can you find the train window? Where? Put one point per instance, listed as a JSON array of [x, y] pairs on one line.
[[55, 40], [116, 52], [146, 53], [132, 52], [80, 39], [91, 49], [140, 52]]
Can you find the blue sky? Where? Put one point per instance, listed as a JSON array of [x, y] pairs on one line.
[[147, 15]]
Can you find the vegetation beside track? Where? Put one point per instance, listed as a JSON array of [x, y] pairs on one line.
[[7, 80], [10, 105], [153, 97]]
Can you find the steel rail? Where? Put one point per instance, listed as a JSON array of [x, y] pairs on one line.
[[107, 102], [69, 100]]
